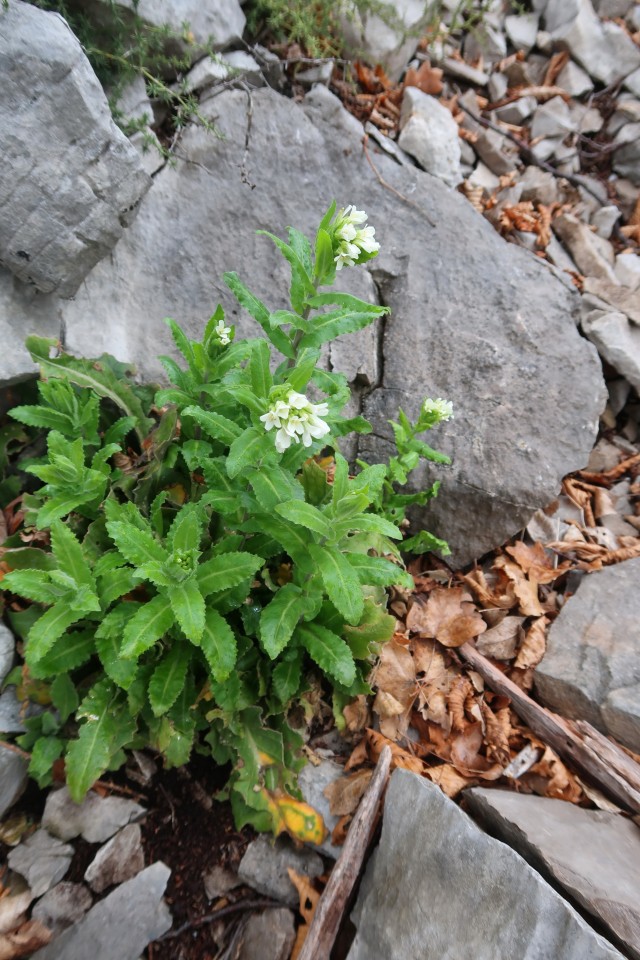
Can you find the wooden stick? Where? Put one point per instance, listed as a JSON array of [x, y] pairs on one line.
[[331, 906], [598, 759]]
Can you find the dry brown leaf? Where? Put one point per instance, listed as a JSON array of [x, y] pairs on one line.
[[22, 942], [448, 615], [465, 747], [501, 641], [309, 897], [477, 583], [425, 78], [345, 794], [497, 733], [448, 779], [534, 646], [395, 681], [461, 690], [356, 714], [539, 564], [525, 590], [399, 757], [13, 907], [358, 756], [340, 831]]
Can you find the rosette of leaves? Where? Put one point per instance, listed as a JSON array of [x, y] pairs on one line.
[[196, 581]]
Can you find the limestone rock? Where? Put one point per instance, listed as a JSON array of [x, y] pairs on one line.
[[626, 159], [268, 936], [620, 297], [593, 255], [593, 854], [522, 30], [605, 51], [497, 338], [617, 341], [63, 905], [120, 926], [41, 860], [71, 181], [11, 712], [389, 38], [430, 134], [7, 651], [22, 311], [574, 80], [437, 888], [96, 818], [120, 859], [591, 669], [13, 778], [312, 782], [264, 867]]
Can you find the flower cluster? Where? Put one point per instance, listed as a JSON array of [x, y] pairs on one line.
[[441, 410], [222, 333], [296, 419], [354, 240]]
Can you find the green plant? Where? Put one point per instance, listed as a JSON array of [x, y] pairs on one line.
[[209, 564]]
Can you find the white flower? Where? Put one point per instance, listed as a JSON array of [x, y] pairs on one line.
[[443, 409], [297, 420], [223, 333], [365, 240], [347, 255], [352, 242]]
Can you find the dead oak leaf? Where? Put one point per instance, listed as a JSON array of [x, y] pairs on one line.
[[539, 564], [345, 794], [534, 646], [449, 615], [448, 779], [425, 78], [395, 681], [399, 757], [501, 641], [526, 590]]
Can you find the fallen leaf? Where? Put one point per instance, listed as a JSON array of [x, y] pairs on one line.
[[539, 564], [501, 641], [345, 794], [340, 831], [425, 78], [399, 757], [497, 731], [448, 779], [22, 942], [448, 615], [525, 590], [534, 645], [394, 678], [461, 690], [356, 714], [309, 898], [297, 818]]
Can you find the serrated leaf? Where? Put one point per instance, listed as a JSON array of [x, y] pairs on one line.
[[376, 627], [367, 522], [69, 555], [44, 417], [32, 584], [219, 646], [187, 604], [68, 652], [47, 629], [88, 756], [325, 262], [378, 572], [305, 515], [329, 651], [181, 341], [274, 486], [248, 449], [121, 671], [186, 529], [116, 583], [147, 625], [227, 570], [340, 581], [136, 545], [258, 311], [286, 676], [64, 696], [44, 753], [168, 679], [279, 619], [214, 424]]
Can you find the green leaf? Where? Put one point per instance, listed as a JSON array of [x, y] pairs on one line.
[[96, 375], [186, 529], [45, 752], [227, 570], [64, 696], [88, 756], [329, 651], [325, 263], [286, 676], [279, 619], [425, 542], [181, 341], [44, 417], [28, 558], [32, 584], [68, 652], [69, 555], [219, 646], [367, 522], [121, 671], [305, 515], [259, 369], [337, 323], [340, 581], [147, 625], [136, 545], [215, 425], [378, 572], [301, 285], [302, 248], [115, 583], [168, 679], [258, 311], [46, 630], [249, 449], [376, 627], [187, 604], [274, 486]]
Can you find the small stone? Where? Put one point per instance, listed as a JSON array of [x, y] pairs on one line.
[[134, 102], [270, 64], [320, 74], [632, 82], [627, 194], [627, 270], [604, 456], [544, 41], [552, 119], [486, 42], [498, 85], [585, 247], [574, 80], [63, 905], [11, 712], [627, 111], [591, 669], [518, 111], [242, 64], [617, 341], [206, 73], [369, 36], [626, 159], [462, 70], [603, 49], [559, 256], [13, 778], [7, 651], [430, 134], [483, 177], [41, 860], [218, 882], [522, 30], [604, 220], [492, 148], [593, 854], [585, 119], [264, 867], [614, 294], [613, 8], [120, 926], [539, 186], [618, 395], [268, 936], [313, 781], [96, 818], [120, 859]]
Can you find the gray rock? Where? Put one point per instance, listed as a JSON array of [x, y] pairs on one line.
[[320, 74], [613, 8], [120, 859], [437, 888], [497, 338], [626, 159], [540, 186], [621, 298], [593, 258], [552, 119], [518, 111], [593, 854], [13, 778], [632, 82], [206, 73], [429, 133], [268, 936], [591, 669], [492, 148], [498, 85], [71, 180], [390, 39], [574, 80], [7, 651], [312, 782], [605, 51], [213, 26], [264, 867], [42, 860], [11, 712], [604, 220], [63, 905], [487, 42], [522, 30], [96, 818], [243, 65], [462, 70], [627, 270], [120, 926], [22, 311]]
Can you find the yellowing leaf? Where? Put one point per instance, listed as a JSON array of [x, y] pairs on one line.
[[295, 817]]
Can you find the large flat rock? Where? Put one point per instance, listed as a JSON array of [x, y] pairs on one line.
[[591, 670], [438, 888], [70, 180], [593, 854], [475, 320]]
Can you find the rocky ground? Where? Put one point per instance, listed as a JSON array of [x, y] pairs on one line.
[[530, 128]]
